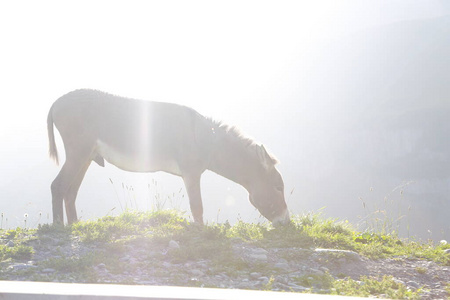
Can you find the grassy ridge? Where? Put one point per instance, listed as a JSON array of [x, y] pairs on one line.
[[305, 231], [152, 232]]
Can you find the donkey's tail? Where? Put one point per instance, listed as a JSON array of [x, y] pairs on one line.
[[52, 151]]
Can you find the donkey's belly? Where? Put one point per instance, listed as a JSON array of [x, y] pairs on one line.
[[137, 161]]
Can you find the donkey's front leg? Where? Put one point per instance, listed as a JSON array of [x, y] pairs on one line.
[[192, 183]]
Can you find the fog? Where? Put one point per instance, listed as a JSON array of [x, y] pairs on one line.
[[352, 98]]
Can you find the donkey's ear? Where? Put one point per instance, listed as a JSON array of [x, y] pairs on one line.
[[265, 158]]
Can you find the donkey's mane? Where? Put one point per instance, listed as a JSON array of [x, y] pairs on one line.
[[235, 133], [239, 137]]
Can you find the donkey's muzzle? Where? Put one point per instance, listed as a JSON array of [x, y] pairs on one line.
[[282, 220]]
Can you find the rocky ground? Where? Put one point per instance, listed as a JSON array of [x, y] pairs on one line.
[[279, 269]]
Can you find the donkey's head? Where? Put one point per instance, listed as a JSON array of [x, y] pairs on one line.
[[266, 189]]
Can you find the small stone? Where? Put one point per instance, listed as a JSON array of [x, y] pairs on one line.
[[197, 273], [258, 257], [398, 281], [259, 251], [17, 267], [244, 285], [167, 265], [146, 282], [174, 245], [264, 280], [447, 251], [346, 253], [282, 266], [316, 272], [283, 280], [296, 274], [281, 287], [203, 264], [48, 270], [296, 288], [413, 284], [10, 244], [282, 260], [255, 275], [133, 261], [426, 294], [101, 266], [341, 261]]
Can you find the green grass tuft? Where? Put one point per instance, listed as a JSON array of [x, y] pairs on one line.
[[247, 232], [18, 237], [316, 281], [20, 252], [370, 286], [109, 229]]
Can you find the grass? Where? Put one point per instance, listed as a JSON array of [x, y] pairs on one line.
[[389, 216], [20, 252], [15, 245], [307, 231], [110, 229], [371, 286], [152, 232], [315, 281]]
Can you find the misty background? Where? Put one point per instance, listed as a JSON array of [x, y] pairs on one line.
[[352, 97]]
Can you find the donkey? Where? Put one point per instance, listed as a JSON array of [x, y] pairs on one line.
[[144, 136]]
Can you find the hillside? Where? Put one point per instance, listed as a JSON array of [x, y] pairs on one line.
[[372, 112], [163, 248]]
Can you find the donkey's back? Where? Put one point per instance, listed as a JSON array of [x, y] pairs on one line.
[[135, 135]]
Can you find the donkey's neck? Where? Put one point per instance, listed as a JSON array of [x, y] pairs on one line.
[[233, 157]]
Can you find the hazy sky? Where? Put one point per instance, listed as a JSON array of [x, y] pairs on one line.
[[214, 56], [229, 59]]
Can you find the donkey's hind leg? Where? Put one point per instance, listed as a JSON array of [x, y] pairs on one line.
[[71, 195], [60, 186]]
